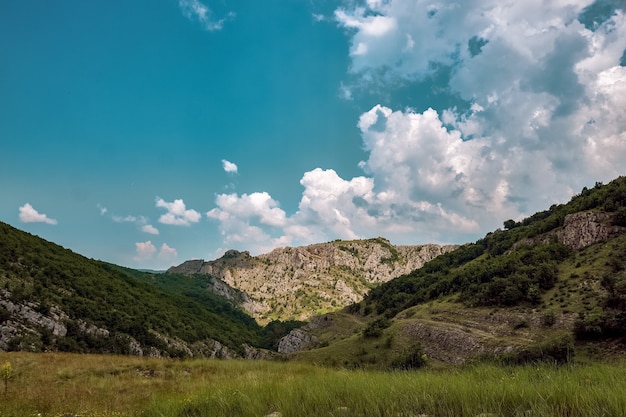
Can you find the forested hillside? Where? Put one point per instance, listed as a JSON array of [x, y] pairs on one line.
[[54, 299], [516, 265]]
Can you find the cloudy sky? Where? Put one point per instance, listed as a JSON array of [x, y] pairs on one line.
[[147, 132]]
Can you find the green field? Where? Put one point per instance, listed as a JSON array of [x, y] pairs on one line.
[[99, 385]]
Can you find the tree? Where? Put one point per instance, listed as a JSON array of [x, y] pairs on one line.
[[510, 224]]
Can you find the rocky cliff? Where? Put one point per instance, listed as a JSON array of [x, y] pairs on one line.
[[297, 283], [580, 230]]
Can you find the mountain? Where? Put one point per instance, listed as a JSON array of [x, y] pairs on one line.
[[541, 289], [52, 299], [297, 283]]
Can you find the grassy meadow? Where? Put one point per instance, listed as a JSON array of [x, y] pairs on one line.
[[65, 385]]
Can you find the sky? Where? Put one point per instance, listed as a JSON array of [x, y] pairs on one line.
[[146, 133]]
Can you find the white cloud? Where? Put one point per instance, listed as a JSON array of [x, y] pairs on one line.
[[147, 255], [229, 167], [330, 208], [148, 228], [140, 221], [167, 253], [103, 210], [545, 94], [242, 219], [545, 116], [177, 214], [124, 219], [29, 215], [196, 10], [345, 92], [145, 251], [333, 205]]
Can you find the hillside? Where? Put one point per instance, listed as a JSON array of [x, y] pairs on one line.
[[538, 290], [297, 283], [52, 299]]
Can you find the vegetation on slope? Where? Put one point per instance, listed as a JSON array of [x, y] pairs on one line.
[[126, 303], [489, 273]]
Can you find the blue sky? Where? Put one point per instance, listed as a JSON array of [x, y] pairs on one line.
[[146, 133]]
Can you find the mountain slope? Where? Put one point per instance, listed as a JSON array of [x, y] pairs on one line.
[[297, 283], [521, 294], [54, 299]]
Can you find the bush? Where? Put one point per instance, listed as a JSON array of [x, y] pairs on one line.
[[375, 328], [589, 324], [548, 318], [559, 350], [414, 358], [521, 323], [4, 314]]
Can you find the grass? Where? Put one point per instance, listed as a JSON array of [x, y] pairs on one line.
[[93, 386]]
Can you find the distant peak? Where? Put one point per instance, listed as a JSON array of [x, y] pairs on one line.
[[233, 253]]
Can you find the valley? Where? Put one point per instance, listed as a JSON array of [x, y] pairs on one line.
[[539, 290]]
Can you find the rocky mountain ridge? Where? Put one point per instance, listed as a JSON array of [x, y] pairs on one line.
[[297, 283]]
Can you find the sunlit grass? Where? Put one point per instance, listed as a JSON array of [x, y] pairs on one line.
[[88, 385]]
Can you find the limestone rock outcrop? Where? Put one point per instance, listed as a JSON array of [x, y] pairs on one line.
[[586, 228], [580, 230], [297, 283], [295, 341]]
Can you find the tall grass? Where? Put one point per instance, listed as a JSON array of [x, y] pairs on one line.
[[69, 385], [523, 391]]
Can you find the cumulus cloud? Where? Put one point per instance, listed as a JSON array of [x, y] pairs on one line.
[[331, 207], [540, 114], [196, 10], [245, 218], [229, 167], [177, 214], [148, 228], [29, 215], [147, 255], [145, 251], [544, 93], [141, 222], [103, 210], [124, 219], [167, 253]]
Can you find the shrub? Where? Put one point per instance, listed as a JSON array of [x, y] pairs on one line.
[[589, 324], [521, 323], [375, 328], [559, 350], [548, 318], [412, 359]]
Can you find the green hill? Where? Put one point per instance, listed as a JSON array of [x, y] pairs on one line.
[[532, 291], [52, 299]]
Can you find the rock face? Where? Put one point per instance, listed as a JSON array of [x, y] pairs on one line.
[[297, 283], [296, 340], [27, 320], [26, 324], [580, 230], [586, 228]]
